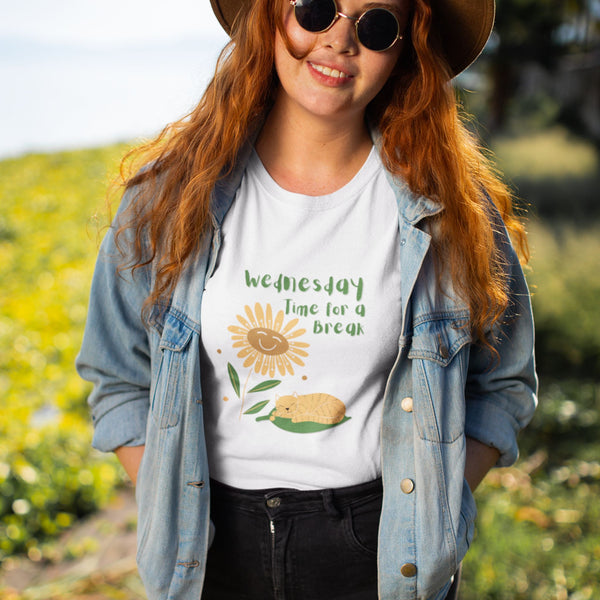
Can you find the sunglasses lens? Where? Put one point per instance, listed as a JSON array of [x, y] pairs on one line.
[[377, 29], [315, 15]]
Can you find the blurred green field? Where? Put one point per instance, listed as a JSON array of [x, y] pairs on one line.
[[538, 532], [49, 232], [557, 174]]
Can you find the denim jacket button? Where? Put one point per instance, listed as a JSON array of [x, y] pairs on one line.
[[407, 404], [408, 570], [444, 352], [407, 485]]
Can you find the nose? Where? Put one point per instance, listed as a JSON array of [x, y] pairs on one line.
[[341, 36]]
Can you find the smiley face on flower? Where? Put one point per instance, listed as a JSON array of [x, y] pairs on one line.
[[266, 342]]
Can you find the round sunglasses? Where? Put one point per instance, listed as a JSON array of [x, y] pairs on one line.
[[376, 29]]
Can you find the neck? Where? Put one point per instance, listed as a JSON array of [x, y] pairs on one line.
[[310, 154]]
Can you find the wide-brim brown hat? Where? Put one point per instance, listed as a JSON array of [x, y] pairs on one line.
[[464, 26]]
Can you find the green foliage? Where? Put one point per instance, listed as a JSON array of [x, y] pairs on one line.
[[525, 29], [565, 280], [538, 529], [49, 475], [557, 174], [551, 155]]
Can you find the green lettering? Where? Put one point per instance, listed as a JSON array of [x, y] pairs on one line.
[[329, 286], [289, 283], [277, 284], [342, 286], [251, 281], [359, 287]]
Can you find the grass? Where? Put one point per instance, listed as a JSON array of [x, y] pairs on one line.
[[538, 529], [549, 155], [556, 174]]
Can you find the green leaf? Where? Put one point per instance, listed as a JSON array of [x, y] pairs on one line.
[[265, 385], [233, 377], [302, 427], [256, 408]]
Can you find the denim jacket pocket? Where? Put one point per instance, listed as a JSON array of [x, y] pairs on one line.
[[172, 372], [439, 337], [439, 375]]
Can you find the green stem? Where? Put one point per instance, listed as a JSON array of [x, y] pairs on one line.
[[244, 393]]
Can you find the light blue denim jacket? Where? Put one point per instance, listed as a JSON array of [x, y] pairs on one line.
[[440, 389]]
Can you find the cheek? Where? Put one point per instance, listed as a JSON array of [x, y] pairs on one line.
[[285, 64], [302, 41], [384, 67]]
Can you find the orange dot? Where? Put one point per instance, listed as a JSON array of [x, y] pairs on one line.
[[225, 398], [304, 377], [219, 351]]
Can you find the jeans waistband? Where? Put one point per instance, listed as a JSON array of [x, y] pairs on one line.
[[287, 500]]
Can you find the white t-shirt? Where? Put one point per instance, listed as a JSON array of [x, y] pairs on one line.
[[300, 327]]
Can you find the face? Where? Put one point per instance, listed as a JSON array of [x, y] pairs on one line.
[[339, 76]]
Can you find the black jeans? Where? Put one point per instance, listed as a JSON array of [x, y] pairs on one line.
[[282, 544]]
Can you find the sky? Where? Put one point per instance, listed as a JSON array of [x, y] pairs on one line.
[[106, 22], [84, 73]]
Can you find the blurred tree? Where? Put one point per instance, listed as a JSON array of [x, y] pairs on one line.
[[535, 32]]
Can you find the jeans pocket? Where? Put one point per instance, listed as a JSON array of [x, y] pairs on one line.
[[361, 524]]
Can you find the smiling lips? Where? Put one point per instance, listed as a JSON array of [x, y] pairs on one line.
[[328, 72]]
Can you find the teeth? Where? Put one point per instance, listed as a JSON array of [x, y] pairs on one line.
[[328, 72]]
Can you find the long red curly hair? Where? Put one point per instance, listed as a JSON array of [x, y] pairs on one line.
[[423, 141]]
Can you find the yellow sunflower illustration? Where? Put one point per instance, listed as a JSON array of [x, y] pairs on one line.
[[266, 343]]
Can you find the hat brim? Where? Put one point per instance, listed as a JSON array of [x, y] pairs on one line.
[[464, 26]]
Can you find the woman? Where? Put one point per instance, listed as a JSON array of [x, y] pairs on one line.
[[309, 293]]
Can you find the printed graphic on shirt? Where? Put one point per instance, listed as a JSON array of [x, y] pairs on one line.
[[327, 316], [308, 413], [269, 345]]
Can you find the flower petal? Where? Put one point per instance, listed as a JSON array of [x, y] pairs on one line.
[[289, 326], [269, 317], [278, 321], [295, 334], [260, 315], [250, 316], [238, 330]]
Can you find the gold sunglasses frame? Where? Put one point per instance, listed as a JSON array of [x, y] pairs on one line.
[[356, 20]]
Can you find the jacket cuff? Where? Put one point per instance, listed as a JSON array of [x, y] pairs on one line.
[[124, 425], [493, 427]]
